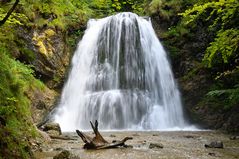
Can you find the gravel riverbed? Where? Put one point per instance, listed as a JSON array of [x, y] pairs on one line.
[[176, 145]]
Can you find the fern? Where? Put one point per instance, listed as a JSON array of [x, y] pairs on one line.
[[231, 96]]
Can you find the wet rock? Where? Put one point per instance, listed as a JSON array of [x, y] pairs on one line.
[[52, 128], [214, 144], [65, 154], [44, 135], [53, 133], [234, 138], [211, 154], [43, 102], [155, 146]]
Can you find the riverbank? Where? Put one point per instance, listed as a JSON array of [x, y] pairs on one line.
[[176, 144]]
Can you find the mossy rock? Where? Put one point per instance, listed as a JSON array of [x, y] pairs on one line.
[[53, 128], [65, 154]]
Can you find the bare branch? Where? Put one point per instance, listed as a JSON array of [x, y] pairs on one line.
[[9, 12]]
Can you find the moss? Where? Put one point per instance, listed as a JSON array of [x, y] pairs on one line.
[[16, 78], [42, 49], [43, 42], [49, 32], [28, 53], [57, 79]]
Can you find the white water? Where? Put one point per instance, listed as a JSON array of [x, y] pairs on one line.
[[121, 77]]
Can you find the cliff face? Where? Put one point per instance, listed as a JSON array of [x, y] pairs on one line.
[[50, 54]]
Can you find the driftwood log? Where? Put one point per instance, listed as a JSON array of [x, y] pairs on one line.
[[98, 142]]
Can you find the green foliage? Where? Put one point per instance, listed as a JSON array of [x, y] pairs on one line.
[[221, 54], [58, 13], [135, 6], [221, 17], [16, 78], [14, 19], [216, 12], [165, 8], [101, 8], [230, 97], [224, 49], [64, 14]]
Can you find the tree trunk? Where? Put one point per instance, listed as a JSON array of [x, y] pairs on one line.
[[98, 142]]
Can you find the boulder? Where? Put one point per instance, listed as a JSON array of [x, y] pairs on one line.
[[52, 128], [65, 154], [44, 135]]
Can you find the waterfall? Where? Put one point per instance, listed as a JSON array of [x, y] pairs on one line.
[[120, 76]]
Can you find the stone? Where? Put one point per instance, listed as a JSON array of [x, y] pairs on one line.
[[155, 146], [111, 135], [214, 144], [53, 128], [65, 154], [128, 146], [188, 136], [211, 154], [234, 137]]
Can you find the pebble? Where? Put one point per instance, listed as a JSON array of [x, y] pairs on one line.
[[155, 145], [211, 154]]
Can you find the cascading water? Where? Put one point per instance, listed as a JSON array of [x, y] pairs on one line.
[[121, 77]]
